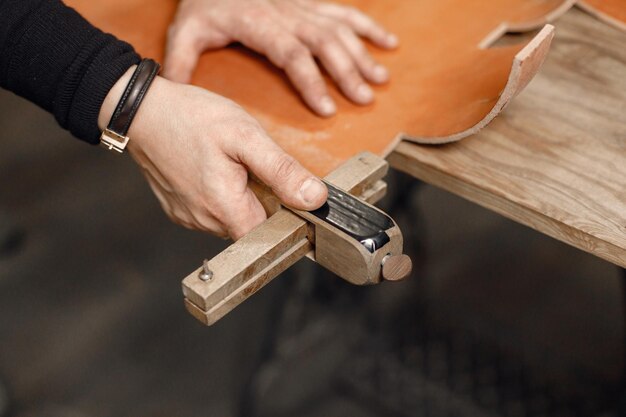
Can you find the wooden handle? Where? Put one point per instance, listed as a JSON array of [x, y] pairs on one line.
[[246, 266]]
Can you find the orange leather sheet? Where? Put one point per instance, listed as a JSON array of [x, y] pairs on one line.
[[611, 11], [444, 85]]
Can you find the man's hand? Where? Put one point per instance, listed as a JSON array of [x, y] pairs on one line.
[[291, 33], [196, 148]]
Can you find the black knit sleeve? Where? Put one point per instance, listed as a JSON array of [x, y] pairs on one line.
[[52, 56]]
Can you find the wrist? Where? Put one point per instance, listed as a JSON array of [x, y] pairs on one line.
[[121, 113], [148, 122]]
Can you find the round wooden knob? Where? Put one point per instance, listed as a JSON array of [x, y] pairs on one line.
[[397, 267]]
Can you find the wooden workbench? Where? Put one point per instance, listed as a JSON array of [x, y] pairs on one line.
[[556, 159]]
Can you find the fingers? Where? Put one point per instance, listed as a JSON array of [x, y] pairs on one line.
[[339, 49], [289, 53], [244, 212], [370, 69], [338, 61], [361, 23], [233, 210], [179, 213], [291, 35], [292, 38], [291, 182], [300, 67]]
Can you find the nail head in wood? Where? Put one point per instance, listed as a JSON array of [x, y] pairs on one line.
[[205, 273], [396, 267]]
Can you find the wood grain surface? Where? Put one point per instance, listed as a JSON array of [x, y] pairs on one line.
[[556, 161], [444, 84]]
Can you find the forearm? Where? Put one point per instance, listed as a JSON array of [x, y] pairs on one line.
[[53, 57]]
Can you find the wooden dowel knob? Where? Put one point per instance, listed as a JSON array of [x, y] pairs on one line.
[[397, 267]]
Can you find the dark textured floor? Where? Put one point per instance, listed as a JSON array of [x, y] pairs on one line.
[[92, 322]]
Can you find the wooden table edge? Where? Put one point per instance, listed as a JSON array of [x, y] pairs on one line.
[[514, 210]]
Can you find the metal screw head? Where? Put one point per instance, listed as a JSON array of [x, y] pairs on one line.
[[205, 273]]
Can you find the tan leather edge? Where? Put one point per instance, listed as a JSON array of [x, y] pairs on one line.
[[601, 15], [550, 17], [525, 66]]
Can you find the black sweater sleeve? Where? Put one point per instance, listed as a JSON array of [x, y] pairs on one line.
[[52, 56]]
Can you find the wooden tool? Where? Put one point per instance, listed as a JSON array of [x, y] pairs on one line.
[[348, 236]]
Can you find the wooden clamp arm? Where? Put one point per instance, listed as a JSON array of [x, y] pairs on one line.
[[254, 260], [246, 266]]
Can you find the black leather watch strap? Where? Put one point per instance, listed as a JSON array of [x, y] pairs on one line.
[[114, 137]]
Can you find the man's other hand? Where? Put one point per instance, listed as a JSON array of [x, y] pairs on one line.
[[291, 33]]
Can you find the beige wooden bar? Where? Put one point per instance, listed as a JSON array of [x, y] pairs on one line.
[[556, 159]]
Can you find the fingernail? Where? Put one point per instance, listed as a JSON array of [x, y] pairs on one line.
[[392, 40], [311, 190], [327, 106], [365, 93], [381, 73]]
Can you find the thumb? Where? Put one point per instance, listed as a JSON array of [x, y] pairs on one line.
[[181, 55], [187, 39], [294, 185]]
